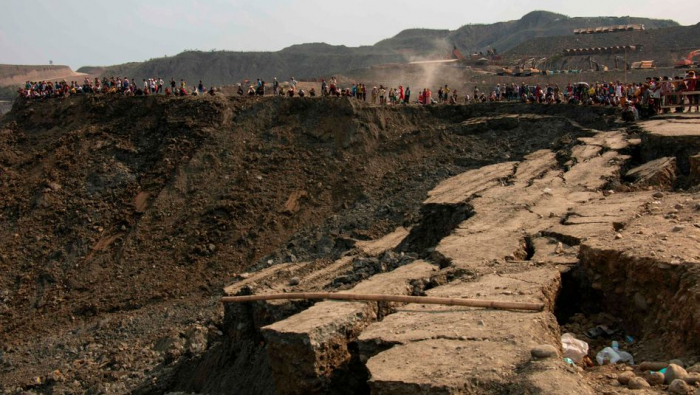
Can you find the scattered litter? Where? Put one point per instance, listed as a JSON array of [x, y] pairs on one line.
[[574, 348], [569, 361], [629, 339], [599, 331], [609, 356], [547, 191]]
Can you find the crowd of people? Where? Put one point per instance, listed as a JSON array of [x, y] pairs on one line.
[[654, 95], [123, 86]]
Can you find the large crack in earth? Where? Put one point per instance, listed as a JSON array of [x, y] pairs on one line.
[[158, 210]]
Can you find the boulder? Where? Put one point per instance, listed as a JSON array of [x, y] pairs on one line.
[[655, 378], [674, 372], [658, 173], [544, 351], [637, 383], [679, 387], [625, 377]]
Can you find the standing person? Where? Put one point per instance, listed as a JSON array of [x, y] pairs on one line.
[[324, 87], [691, 83], [275, 86], [375, 93], [200, 87], [293, 83], [160, 85], [666, 91], [407, 95]]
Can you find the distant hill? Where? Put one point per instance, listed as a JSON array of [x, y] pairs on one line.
[[506, 35], [15, 75], [661, 45], [320, 59]]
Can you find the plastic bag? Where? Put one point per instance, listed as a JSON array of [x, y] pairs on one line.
[[611, 356], [607, 355], [626, 357], [574, 348]]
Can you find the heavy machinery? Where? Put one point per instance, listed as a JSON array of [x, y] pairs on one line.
[[688, 61], [525, 65], [529, 67], [592, 63]]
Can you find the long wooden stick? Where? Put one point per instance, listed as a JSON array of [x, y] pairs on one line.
[[503, 305]]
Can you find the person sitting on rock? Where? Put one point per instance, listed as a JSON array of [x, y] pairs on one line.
[[312, 92]]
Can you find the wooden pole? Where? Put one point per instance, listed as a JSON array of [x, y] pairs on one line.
[[493, 304]]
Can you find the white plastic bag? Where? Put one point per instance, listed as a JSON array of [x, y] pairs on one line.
[[626, 357], [574, 348], [607, 355]]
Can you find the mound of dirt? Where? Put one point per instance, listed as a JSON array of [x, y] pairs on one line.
[[122, 218], [11, 75]]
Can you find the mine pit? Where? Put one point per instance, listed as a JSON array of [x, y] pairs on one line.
[[565, 207]]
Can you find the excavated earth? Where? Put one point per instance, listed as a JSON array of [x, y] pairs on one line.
[[124, 220]]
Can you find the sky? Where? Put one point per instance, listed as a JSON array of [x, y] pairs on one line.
[[99, 32]]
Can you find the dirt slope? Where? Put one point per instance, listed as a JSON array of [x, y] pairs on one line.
[[11, 75], [123, 217]]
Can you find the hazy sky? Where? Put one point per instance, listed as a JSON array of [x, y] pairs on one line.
[[98, 32]]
